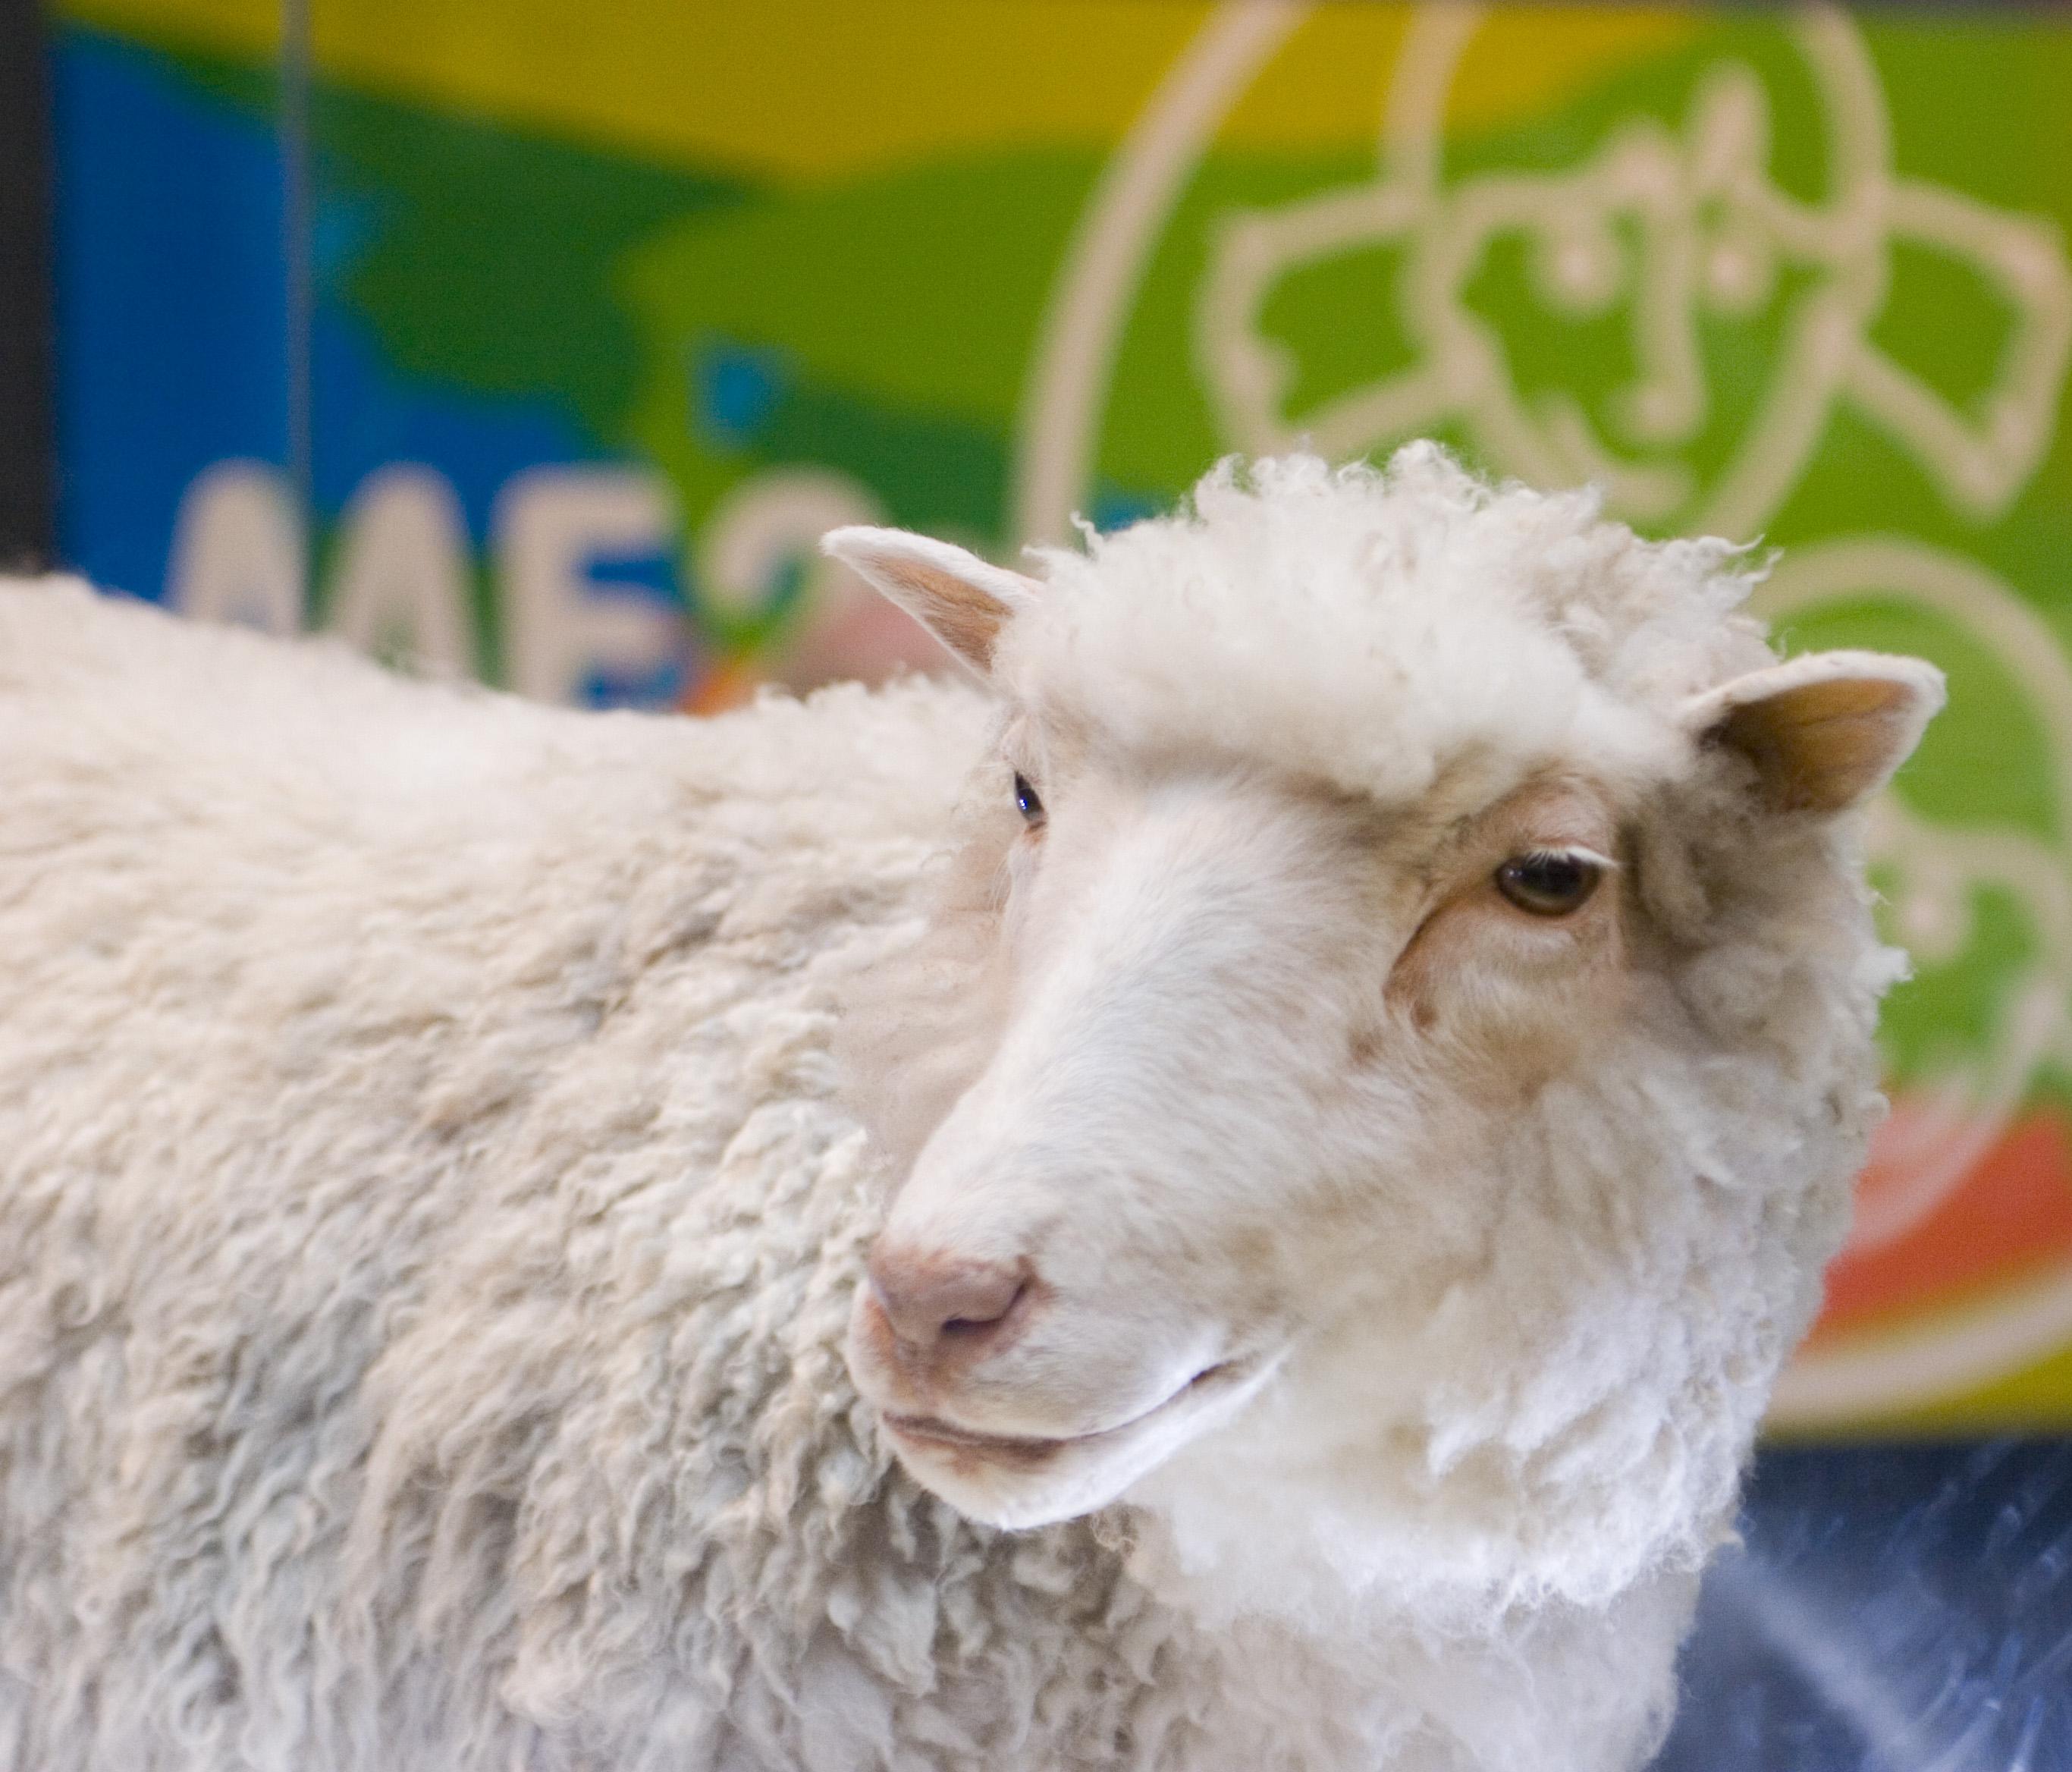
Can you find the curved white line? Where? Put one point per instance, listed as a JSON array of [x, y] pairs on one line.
[[1413, 132], [1929, 1362], [1859, 128], [1105, 262]]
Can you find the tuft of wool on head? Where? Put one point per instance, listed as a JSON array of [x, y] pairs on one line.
[[1351, 580]]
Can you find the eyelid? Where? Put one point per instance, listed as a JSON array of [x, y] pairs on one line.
[[1572, 852]]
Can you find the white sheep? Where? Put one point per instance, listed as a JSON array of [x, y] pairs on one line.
[[1357, 1125]]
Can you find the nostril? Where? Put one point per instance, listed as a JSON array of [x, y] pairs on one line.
[[968, 1326], [933, 1300]]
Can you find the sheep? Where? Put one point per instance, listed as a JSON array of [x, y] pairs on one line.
[[1225, 1193]]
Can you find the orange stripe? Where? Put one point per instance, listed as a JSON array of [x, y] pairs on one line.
[[2011, 1216]]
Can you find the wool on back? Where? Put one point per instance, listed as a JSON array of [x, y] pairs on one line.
[[427, 1228]]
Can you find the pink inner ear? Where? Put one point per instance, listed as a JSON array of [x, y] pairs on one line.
[[964, 617], [1822, 747], [959, 598]]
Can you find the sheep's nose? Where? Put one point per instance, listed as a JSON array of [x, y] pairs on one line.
[[940, 1306]]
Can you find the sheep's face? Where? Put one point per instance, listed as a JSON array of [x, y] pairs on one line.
[[1242, 1024], [1255, 1084]]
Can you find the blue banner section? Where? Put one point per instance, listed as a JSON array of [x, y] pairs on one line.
[[486, 529], [171, 316]]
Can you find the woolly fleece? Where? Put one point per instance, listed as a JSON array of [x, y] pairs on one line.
[[429, 1219]]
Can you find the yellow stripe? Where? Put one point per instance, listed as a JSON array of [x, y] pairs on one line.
[[1328, 87], [793, 90], [811, 90], [248, 30]]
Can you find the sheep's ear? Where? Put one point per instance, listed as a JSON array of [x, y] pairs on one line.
[[960, 598], [1826, 731]]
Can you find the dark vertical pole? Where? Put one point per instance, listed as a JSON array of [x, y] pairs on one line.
[[296, 150], [26, 439]]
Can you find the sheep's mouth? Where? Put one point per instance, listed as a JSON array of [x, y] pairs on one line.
[[1024, 1452]]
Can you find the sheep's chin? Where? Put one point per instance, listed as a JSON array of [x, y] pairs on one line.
[[1020, 1483]]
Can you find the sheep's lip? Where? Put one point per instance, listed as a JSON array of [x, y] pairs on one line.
[[1029, 1451]]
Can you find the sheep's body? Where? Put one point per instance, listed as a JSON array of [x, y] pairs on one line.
[[427, 1230]]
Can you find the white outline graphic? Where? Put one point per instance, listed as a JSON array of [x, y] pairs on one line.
[[1710, 233]]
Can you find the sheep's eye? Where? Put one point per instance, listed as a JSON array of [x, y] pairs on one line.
[[1025, 802], [1549, 882]]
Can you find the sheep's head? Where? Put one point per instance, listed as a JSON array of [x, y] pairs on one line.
[[1392, 1053]]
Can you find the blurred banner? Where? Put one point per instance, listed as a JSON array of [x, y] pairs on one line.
[[540, 341]]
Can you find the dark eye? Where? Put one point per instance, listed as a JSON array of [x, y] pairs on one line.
[[1026, 801], [1549, 882]]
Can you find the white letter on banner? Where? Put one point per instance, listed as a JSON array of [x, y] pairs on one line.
[[237, 550], [562, 626], [399, 588]]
